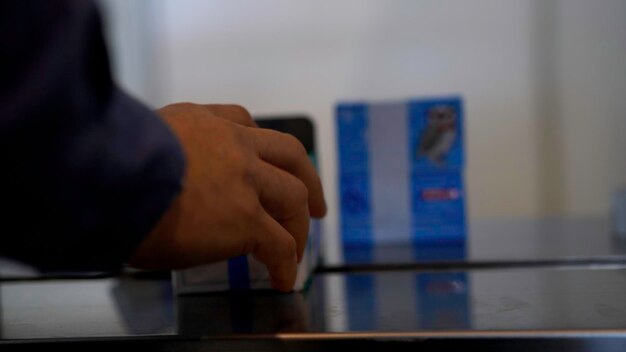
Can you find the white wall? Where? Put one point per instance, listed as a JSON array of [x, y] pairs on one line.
[[544, 81], [133, 29], [285, 56], [591, 86]]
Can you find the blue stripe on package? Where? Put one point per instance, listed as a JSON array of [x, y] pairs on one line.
[[238, 273], [354, 178], [401, 172]]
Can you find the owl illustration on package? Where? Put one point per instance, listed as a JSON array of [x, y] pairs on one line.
[[439, 135]]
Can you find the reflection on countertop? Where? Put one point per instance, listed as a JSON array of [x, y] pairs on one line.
[[364, 295], [371, 303]]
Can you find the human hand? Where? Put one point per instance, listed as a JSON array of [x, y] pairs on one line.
[[247, 191]]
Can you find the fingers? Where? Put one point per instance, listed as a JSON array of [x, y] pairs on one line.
[[280, 149], [286, 152], [284, 197], [277, 250], [233, 113]]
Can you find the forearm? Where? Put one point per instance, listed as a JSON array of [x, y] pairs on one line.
[[87, 170]]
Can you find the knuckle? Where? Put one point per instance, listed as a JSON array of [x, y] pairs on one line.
[[240, 110], [300, 192], [248, 175], [235, 136], [295, 144], [239, 135], [247, 166], [250, 210]]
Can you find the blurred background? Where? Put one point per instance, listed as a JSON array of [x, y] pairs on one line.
[[544, 81]]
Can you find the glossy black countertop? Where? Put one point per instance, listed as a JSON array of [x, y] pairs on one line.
[[575, 302], [385, 303]]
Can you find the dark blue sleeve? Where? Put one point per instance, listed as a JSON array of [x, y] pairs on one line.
[[85, 170]]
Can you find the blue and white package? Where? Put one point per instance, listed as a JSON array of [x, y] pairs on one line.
[[245, 272], [401, 171]]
